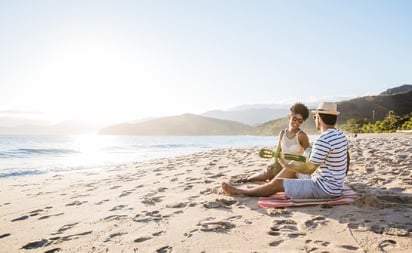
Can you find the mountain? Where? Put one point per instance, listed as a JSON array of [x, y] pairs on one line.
[[186, 124], [396, 90], [398, 99], [375, 108], [250, 116], [235, 121]]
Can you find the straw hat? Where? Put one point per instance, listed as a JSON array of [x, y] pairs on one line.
[[327, 108]]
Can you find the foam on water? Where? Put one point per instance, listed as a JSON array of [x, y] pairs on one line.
[[30, 155]]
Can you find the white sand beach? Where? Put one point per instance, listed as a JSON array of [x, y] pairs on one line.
[[176, 205]]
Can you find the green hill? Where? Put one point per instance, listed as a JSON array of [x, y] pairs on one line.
[[186, 124], [374, 108]]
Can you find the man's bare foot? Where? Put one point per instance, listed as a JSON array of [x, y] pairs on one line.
[[227, 188]]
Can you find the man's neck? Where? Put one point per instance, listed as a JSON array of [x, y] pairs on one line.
[[325, 128]]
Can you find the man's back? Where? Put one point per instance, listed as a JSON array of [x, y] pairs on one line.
[[330, 151]]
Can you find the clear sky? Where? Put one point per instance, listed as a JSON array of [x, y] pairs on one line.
[[124, 60]]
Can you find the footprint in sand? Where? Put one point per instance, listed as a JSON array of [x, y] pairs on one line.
[[152, 200], [111, 236], [317, 245], [36, 244], [4, 235], [76, 203], [207, 191], [177, 205], [58, 239], [220, 174], [279, 212], [191, 179], [24, 217], [36, 212], [216, 226], [349, 247], [142, 239], [114, 187], [284, 229], [116, 208], [101, 202], [391, 229], [162, 189], [125, 193], [115, 217], [188, 187], [314, 222], [48, 216], [148, 217], [53, 250], [164, 249], [145, 238], [64, 228], [210, 225], [384, 245], [224, 203]]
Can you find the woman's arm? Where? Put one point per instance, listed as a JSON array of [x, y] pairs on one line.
[[303, 140]]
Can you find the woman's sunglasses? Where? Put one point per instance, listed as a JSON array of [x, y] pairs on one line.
[[300, 121]]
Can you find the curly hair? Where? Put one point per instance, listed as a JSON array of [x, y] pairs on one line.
[[299, 108]]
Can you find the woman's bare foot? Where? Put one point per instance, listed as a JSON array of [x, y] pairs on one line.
[[242, 180], [227, 188]]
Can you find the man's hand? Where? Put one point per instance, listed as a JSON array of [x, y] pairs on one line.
[[300, 167]]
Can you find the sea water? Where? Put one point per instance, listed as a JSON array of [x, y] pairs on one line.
[[22, 155]]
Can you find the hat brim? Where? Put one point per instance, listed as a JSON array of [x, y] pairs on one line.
[[326, 112]]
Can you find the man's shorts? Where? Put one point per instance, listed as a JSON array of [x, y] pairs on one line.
[[304, 189]]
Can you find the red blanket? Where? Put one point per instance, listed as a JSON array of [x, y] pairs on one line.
[[280, 200]]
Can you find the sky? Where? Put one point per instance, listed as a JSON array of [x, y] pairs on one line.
[[126, 60]]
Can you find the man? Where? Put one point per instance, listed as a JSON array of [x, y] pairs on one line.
[[327, 164]]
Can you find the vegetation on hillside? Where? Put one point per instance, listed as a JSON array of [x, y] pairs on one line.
[[391, 123], [360, 115]]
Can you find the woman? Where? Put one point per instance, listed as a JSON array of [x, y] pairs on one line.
[[291, 140]]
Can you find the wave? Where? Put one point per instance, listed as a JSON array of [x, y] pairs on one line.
[[31, 155], [21, 173], [27, 152]]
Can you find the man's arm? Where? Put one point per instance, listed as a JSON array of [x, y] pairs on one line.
[[300, 167]]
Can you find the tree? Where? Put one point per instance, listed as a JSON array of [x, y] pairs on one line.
[[390, 123]]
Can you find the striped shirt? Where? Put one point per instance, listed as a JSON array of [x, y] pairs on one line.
[[329, 151]]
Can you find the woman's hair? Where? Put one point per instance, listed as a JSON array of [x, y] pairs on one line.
[[329, 119], [299, 108]]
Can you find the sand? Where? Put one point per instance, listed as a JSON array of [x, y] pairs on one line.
[[176, 205]]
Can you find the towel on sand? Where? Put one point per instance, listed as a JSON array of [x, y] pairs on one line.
[[280, 200]]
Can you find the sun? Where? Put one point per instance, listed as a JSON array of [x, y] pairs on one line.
[[99, 80]]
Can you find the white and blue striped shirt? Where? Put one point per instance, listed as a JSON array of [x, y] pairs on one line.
[[329, 151]]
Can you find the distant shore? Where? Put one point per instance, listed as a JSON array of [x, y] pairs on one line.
[[176, 205]]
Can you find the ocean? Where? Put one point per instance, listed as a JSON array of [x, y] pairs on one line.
[[25, 155]]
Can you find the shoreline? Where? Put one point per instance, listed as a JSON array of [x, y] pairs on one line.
[[55, 154], [176, 205]]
